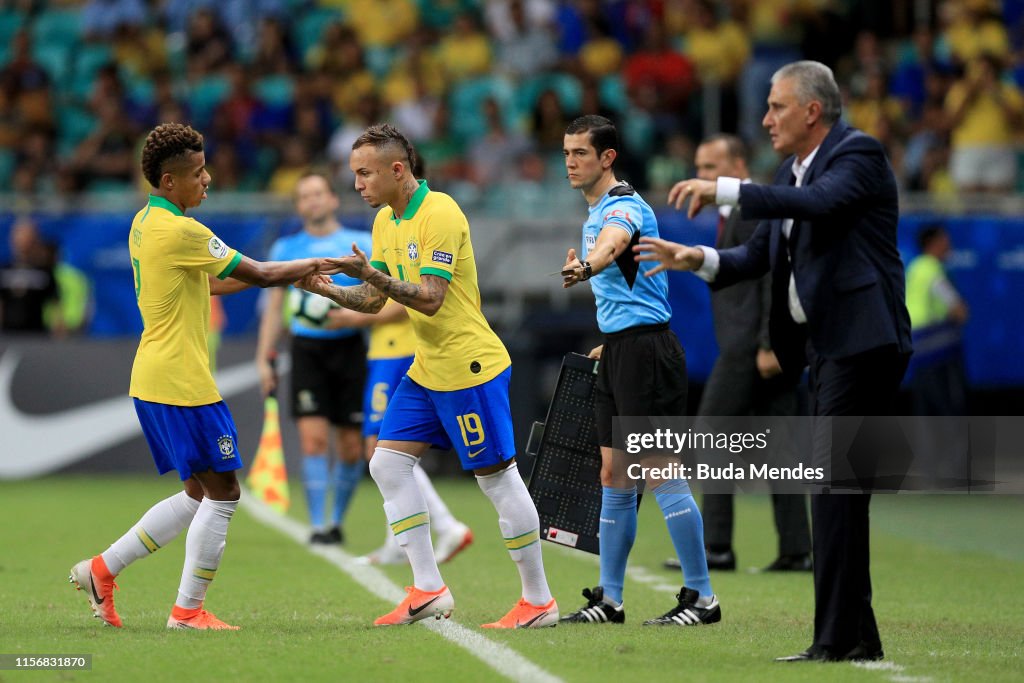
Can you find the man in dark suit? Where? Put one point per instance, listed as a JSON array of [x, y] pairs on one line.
[[828, 237], [746, 378]]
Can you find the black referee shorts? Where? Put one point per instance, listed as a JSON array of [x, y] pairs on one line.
[[642, 372], [328, 376]]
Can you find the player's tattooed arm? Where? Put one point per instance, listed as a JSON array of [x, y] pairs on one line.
[[425, 297], [364, 298]]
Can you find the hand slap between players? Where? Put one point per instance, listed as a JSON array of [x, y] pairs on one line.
[[701, 192], [356, 265]]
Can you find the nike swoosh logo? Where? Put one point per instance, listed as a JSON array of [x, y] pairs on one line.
[[92, 585], [414, 612], [38, 444], [531, 622], [473, 454]]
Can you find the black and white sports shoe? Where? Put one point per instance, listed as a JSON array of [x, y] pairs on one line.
[[596, 611], [686, 613]]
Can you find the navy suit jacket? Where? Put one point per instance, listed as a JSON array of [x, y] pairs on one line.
[[842, 248]]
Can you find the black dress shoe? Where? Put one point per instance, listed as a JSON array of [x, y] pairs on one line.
[[862, 653], [790, 563], [722, 561]]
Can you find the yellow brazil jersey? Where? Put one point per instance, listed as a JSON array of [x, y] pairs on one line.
[[456, 347], [171, 256], [392, 340]]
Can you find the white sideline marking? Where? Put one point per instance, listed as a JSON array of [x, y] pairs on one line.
[[501, 658]]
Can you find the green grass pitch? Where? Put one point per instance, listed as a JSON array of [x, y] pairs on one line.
[[948, 579]]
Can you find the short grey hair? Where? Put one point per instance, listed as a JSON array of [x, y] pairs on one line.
[[814, 81]]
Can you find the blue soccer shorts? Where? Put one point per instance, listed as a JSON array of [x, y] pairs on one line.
[[190, 439], [476, 421], [383, 376]]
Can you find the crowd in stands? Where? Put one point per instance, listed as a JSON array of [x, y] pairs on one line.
[[485, 89]]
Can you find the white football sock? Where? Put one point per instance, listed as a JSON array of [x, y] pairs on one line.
[[407, 514], [161, 524], [441, 519], [520, 527], [204, 546]]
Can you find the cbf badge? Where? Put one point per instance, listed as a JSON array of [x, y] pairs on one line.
[[414, 251], [227, 447]]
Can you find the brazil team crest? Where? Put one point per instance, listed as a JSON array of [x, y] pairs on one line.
[[414, 251], [226, 445]]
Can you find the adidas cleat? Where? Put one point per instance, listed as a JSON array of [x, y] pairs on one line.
[[597, 610], [687, 613], [527, 615], [93, 577], [419, 605]]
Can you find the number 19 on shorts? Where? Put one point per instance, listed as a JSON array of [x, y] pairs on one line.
[[472, 429]]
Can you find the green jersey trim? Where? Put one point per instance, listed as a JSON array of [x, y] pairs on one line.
[[230, 268]]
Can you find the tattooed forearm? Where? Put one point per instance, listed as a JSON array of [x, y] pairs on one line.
[[363, 298], [425, 297]]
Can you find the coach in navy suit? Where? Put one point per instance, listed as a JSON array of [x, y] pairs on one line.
[[828, 237]]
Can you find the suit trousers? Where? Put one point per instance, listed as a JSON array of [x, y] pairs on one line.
[[736, 388], [860, 385]]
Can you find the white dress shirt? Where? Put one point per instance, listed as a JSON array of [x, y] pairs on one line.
[[727, 193]]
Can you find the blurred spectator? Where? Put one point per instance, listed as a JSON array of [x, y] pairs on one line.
[[28, 286], [26, 84], [107, 86], [35, 162], [241, 17], [415, 70], [293, 164], [140, 52], [658, 67], [504, 24], [101, 19], [443, 151], [600, 55], [718, 49], [105, 159], [549, 122], [437, 16], [670, 163], [875, 111], [380, 23], [341, 67], [367, 112], [525, 48], [938, 385], [208, 47], [465, 52], [234, 119], [274, 53], [492, 158], [416, 116], [929, 134], [973, 28], [985, 115]]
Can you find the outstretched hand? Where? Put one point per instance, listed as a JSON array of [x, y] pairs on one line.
[[572, 271], [356, 265], [669, 255], [701, 193]]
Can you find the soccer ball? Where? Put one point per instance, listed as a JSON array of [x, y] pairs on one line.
[[308, 308]]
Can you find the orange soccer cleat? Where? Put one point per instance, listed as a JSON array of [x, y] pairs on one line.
[[93, 577], [198, 619], [526, 615], [419, 605]]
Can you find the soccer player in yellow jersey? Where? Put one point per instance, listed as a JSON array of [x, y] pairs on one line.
[[178, 262], [455, 392], [391, 352]]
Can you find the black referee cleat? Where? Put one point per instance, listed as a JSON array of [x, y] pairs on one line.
[[596, 611], [686, 613]]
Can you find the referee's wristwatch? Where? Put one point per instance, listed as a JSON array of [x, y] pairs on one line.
[[587, 271]]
